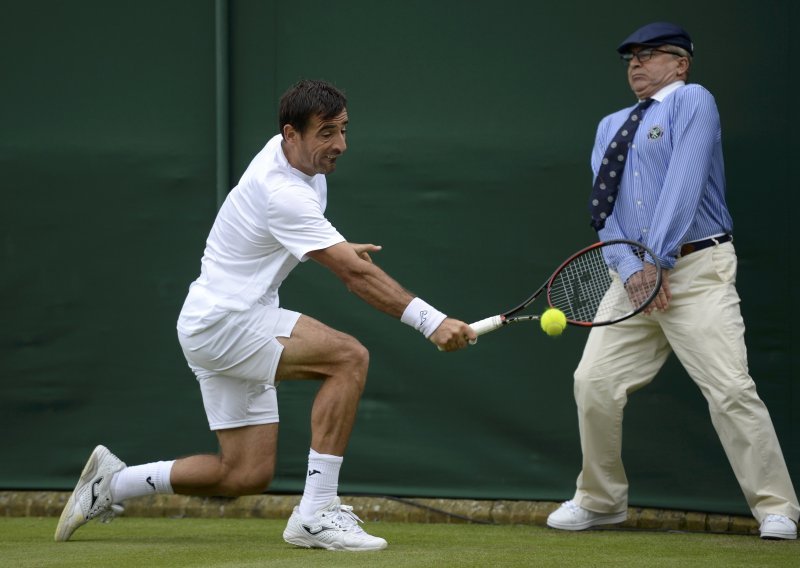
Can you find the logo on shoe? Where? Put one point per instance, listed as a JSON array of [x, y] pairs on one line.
[[314, 532], [149, 481], [95, 495]]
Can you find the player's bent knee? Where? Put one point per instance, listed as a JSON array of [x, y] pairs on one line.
[[355, 356], [361, 364], [361, 357]]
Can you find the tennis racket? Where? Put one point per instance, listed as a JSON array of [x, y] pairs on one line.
[[584, 289]]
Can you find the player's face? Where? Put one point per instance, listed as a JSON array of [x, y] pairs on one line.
[[321, 144], [648, 77]]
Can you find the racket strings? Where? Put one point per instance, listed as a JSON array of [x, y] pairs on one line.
[[581, 286]]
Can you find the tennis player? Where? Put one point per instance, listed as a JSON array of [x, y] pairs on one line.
[[239, 341]]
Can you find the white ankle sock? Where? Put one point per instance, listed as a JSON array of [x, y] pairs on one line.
[[322, 481], [140, 480]]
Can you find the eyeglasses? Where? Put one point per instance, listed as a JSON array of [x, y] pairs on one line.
[[645, 55]]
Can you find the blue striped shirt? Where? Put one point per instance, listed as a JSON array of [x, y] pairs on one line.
[[673, 186]]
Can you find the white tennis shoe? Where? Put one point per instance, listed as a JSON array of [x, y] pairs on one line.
[[92, 495], [335, 527], [778, 527], [572, 517]]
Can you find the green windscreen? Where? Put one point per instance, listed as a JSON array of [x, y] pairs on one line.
[[471, 126]]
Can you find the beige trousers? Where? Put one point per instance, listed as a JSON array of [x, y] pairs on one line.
[[704, 327]]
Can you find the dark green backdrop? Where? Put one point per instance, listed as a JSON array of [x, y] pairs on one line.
[[470, 133]]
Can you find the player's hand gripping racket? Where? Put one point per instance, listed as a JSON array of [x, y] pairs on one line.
[[583, 288]]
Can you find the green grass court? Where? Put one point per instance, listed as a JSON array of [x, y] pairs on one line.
[[233, 543]]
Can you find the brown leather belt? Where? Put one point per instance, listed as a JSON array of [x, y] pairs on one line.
[[695, 246]]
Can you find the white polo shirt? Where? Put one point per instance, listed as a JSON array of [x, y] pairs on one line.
[[267, 225]]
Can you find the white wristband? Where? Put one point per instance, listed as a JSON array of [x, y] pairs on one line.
[[422, 316]]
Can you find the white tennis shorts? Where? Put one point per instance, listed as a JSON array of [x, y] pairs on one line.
[[235, 362]]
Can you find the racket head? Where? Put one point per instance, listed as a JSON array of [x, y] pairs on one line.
[[590, 294]]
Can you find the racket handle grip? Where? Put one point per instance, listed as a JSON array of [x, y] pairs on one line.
[[487, 324]]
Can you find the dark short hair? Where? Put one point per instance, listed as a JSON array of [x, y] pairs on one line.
[[307, 99]]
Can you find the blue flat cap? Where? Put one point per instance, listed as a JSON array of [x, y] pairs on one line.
[[658, 33]]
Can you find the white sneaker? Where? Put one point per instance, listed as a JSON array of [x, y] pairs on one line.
[[334, 528], [92, 495], [572, 517], [778, 527]]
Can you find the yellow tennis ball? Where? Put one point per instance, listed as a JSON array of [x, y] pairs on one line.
[[553, 322]]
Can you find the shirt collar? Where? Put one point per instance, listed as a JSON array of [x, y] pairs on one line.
[[303, 176], [662, 94]]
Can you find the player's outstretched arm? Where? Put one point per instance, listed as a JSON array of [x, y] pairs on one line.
[[366, 280], [363, 278]]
